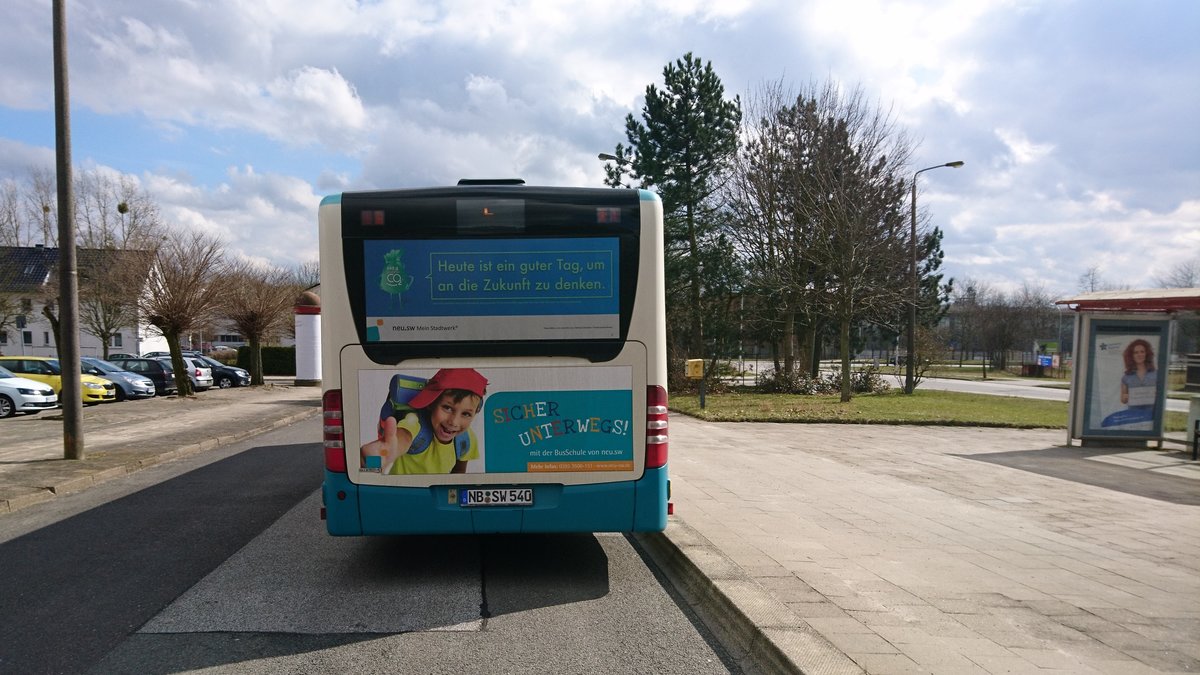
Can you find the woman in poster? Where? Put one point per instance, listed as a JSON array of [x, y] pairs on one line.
[[1139, 384]]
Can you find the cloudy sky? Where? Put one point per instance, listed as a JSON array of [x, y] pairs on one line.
[[1078, 120]]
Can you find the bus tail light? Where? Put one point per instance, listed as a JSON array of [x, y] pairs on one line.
[[335, 444], [656, 426]]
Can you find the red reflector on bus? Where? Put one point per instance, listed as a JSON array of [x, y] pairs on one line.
[[333, 431], [335, 459], [370, 218], [656, 426]]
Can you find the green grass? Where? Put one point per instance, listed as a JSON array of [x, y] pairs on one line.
[[923, 407]]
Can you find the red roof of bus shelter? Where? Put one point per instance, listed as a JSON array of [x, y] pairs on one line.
[[1156, 300]]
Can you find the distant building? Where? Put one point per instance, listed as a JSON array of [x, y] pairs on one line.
[[29, 281]]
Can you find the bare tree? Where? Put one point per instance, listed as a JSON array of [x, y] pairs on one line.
[[770, 236], [307, 274], [860, 242], [184, 290], [1093, 280], [1187, 326], [118, 227], [12, 305], [975, 313], [12, 224], [997, 323], [110, 280], [114, 213], [1184, 275], [258, 300], [1038, 316], [820, 194], [41, 207], [931, 348]]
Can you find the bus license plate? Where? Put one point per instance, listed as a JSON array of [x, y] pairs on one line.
[[496, 497]]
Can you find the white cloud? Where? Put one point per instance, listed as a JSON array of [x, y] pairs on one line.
[[327, 104], [1072, 117], [1021, 149], [260, 216]]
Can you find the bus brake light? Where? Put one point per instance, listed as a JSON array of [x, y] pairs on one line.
[[333, 429], [656, 426]]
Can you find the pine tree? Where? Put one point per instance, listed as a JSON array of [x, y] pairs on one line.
[[681, 148]]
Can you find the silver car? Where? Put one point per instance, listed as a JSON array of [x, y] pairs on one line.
[[199, 373], [129, 385]]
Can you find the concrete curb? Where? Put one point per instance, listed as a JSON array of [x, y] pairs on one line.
[[96, 472], [764, 634]]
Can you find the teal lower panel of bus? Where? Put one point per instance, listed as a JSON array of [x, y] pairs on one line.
[[629, 506]]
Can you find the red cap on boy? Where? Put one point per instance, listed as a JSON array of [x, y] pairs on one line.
[[465, 379]]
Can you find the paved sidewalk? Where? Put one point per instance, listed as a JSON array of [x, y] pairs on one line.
[[828, 548], [946, 550]]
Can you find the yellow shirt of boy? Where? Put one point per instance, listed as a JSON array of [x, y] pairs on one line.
[[437, 458]]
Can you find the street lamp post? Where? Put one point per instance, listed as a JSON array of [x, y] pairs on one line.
[[916, 286]]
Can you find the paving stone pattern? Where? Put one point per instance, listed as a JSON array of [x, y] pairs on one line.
[[909, 556]]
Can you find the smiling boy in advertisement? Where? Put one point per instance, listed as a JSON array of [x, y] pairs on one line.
[[432, 433]]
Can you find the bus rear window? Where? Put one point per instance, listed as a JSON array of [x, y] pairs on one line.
[[495, 271], [491, 289]]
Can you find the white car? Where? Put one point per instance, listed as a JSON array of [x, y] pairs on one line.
[[18, 394], [199, 373]]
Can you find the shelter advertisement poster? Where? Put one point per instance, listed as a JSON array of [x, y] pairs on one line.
[[491, 289], [1127, 377], [528, 420]]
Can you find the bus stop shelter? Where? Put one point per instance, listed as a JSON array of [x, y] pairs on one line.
[[1122, 349]]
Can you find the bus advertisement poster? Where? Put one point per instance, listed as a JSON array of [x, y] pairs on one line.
[[497, 420], [1126, 378], [488, 289]]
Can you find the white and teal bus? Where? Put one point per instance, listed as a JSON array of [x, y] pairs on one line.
[[493, 360]]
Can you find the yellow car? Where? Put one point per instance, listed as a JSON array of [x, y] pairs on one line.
[[46, 369]]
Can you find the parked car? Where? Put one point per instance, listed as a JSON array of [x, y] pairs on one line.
[[199, 373], [47, 371], [159, 372], [223, 376], [22, 395], [129, 384], [121, 355]]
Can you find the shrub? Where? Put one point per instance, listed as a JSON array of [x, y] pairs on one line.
[[276, 360], [782, 382], [867, 380]]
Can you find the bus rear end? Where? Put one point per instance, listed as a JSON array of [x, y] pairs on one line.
[[493, 360]]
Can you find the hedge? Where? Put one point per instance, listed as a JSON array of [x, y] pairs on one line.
[[275, 360]]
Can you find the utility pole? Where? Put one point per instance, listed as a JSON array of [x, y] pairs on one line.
[[71, 395]]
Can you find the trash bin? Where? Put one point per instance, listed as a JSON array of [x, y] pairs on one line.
[[1193, 415]]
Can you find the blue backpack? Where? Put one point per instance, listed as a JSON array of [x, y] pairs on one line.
[[401, 391]]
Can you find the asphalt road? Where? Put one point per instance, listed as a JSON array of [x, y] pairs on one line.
[[1023, 388], [220, 562], [1020, 388]]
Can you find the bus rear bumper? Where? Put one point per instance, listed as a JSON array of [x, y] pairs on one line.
[[627, 506]]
